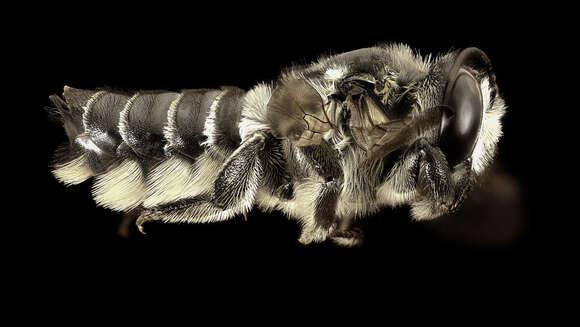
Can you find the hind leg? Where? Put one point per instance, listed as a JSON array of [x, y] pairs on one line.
[[232, 192], [198, 209]]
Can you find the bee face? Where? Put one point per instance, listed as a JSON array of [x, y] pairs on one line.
[[446, 153]]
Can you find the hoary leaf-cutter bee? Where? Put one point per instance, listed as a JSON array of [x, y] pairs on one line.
[[325, 143]]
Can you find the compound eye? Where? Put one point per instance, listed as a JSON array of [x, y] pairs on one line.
[[462, 117]]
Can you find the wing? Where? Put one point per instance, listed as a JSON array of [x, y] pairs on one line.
[[296, 111]]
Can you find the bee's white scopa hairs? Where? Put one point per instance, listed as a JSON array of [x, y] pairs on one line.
[[74, 171], [325, 144]]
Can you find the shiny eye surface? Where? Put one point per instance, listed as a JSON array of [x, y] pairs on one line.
[[462, 117]]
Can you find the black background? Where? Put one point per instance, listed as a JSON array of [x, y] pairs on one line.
[[174, 47]]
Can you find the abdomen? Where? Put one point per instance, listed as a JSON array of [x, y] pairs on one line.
[[147, 148]]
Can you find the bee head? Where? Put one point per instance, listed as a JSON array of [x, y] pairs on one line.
[[447, 151]]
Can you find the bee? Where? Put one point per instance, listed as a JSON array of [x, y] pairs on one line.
[[326, 143]]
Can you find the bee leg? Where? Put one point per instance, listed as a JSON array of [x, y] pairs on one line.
[[124, 228], [434, 179], [348, 238], [256, 162], [197, 209], [325, 203], [325, 161], [324, 219], [347, 235], [240, 175], [275, 177]]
